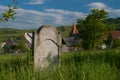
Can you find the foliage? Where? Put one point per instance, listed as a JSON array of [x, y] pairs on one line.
[[18, 45], [113, 23], [110, 27], [29, 56], [7, 33], [22, 46], [65, 30], [109, 40], [9, 14], [0, 37], [116, 43], [61, 28], [84, 65], [91, 29]]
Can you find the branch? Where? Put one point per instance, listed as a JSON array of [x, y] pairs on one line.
[[6, 16]]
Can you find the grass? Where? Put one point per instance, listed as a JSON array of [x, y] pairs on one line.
[[83, 65]]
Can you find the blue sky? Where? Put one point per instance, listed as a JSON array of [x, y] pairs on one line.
[[33, 13]]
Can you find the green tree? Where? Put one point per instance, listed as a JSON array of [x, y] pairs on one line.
[[22, 46], [116, 43], [109, 40], [110, 27], [91, 29]]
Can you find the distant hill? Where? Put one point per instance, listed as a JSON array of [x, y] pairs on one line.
[[65, 30], [7, 33], [114, 22]]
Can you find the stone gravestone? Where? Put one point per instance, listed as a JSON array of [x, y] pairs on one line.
[[47, 47]]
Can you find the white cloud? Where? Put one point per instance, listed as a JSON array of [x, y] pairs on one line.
[[64, 12], [113, 12], [26, 19], [36, 2], [3, 9], [99, 5]]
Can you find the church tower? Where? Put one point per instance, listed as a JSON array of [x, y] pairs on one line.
[[74, 32]]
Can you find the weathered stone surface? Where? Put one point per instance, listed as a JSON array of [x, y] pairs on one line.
[[47, 47]]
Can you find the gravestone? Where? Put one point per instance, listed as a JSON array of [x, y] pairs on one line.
[[47, 47]]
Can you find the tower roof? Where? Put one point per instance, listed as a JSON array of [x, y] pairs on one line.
[[74, 31]]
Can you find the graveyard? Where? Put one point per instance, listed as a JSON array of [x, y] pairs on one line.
[[50, 55], [67, 44], [54, 64]]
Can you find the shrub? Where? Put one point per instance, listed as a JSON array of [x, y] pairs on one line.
[[116, 43]]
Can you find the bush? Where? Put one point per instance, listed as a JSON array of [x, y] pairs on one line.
[[116, 43]]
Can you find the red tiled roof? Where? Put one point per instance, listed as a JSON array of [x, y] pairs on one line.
[[116, 35]]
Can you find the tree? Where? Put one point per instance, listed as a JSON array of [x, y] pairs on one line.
[[109, 40], [91, 29], [116, 43], [22, 46]]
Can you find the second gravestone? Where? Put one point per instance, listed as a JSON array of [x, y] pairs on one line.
[[47, 47]]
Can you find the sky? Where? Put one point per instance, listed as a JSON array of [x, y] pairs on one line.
[[33, 13]]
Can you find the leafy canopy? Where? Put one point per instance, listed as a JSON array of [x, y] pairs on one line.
[[91, 29]]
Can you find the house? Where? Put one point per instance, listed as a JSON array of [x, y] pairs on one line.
[[114, 35], [14, 45], [71, 43], [68, 43]]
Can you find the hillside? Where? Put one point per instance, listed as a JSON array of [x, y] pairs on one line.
[[113, 22], [65, 30], [7, 33]]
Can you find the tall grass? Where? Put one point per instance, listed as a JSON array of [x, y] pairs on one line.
[[84, 65]]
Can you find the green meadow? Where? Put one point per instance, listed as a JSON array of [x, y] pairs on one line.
[[83, 65]]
